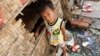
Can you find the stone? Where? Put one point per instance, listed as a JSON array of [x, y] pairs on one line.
[[95, 24]]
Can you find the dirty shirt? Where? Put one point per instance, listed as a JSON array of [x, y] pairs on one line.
[[54, 32]]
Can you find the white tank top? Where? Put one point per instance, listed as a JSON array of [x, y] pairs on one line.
[[54, 32]]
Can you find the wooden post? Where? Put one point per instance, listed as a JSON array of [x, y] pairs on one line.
[[65, 9]]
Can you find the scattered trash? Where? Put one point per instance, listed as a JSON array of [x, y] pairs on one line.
[[90, 37], [85, 44], [89, 40], [87, 8], [87, 5], [75, 48]]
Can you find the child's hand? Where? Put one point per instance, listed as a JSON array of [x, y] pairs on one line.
[[36, 34]]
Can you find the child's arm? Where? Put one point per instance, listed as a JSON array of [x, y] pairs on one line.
[[38, 29], [64, 31]]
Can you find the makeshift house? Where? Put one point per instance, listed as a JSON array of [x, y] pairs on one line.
[[17, 19]]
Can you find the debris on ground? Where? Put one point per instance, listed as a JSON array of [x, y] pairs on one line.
[[86, 25]]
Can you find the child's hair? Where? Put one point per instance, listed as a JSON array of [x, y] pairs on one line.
[[42, 6]]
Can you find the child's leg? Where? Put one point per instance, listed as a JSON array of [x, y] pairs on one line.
[[64, 48]]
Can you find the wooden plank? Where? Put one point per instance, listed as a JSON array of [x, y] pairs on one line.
[[28, 2], [65, 9]]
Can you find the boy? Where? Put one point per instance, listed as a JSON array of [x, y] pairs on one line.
[[56, 31]]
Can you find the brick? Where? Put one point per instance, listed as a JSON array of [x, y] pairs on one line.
[[79, 23], [75, 22], [84, 25], [87, 20]]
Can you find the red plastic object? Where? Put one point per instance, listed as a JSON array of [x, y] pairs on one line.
[[23, 1], [87, 8], [87, 5], [75, 48]]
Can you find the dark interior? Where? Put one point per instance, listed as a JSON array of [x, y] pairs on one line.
[[30, 18]]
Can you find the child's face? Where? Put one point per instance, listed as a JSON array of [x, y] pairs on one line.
[[48, 14]]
